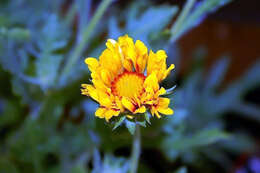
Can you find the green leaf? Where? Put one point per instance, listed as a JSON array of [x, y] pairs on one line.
[[179, 142], [141, 26], [217, 73], [202, 138], [57, 39], [119, 122], [144, 25], [47, 69], [194, 18], [181, 18], [206, 137], [130, 126]]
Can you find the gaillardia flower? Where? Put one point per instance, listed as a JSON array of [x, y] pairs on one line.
[[126, 80]]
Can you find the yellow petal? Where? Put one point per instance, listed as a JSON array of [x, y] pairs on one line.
[[130, 116], [149, 102], [161, 55], [104, 99], [140, 46], [141, 56], [157, 64], [110, 113], [136, 100], [152, 110], [128, 104], [163, 102], [111, 43], [161, 91], [167, 111], [151, 63], [99, 84], [151, 82], [115, 57], [110, 60], [162, 106], [92, 92], [100, 112], [127, 48], [166, 73], [106, 77], [92, 63], [119, 104], [157, 114], [142, 109]]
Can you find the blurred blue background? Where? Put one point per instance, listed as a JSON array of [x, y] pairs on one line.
[[47, 126]]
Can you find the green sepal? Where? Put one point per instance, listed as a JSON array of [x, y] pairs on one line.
[[119, 122], [147, 117], [141, 123], [130, 126], [170, 91]]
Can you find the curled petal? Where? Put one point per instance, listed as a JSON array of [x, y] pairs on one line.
[[166, 73]]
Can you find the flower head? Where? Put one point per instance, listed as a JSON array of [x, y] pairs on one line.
[[126, 80]]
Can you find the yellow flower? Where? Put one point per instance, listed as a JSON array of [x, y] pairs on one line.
[[126, 80]]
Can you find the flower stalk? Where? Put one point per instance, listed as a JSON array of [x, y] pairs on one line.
[[136, 149]]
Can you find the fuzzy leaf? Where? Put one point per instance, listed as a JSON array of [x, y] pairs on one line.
[[202, 9], [153, 20], [217, 73], [47, 69], [204, 137], [149, 21]]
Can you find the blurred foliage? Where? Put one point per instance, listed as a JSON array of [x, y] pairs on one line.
[[47, 126]]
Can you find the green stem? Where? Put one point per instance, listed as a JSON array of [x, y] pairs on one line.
[[87, 32], [136, 150], [177, 27]]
